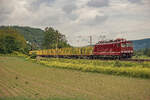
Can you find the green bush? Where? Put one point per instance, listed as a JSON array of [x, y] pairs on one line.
[[117, 64], [11, 40], [33, 55]]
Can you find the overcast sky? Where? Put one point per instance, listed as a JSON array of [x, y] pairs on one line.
[[79, 19]]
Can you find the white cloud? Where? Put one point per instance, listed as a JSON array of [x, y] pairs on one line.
[[81, 18]]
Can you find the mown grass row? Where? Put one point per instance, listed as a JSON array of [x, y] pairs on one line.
[[131, 69]]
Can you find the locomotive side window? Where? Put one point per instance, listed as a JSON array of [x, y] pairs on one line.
[[123, 45], [126, 45], [129, 44], [118, 45]]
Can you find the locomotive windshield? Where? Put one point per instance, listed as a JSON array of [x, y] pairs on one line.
[[123, 45], [129, 44], [126, 45]]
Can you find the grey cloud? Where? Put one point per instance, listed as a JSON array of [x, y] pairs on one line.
[[4, 14], [98, 3], [97, 20], [72, 16], [39, 2], [35, 5], [135, 1], [69, 8], [5, 9], [48, 21]]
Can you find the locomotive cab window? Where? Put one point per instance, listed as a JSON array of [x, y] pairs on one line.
[[123, 45], [118, 45], [129, 44]]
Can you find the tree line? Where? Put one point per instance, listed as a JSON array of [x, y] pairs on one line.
[[145, 51], [11, 40]]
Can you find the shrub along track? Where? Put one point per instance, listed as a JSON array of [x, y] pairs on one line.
[[124, 59], [103, 58], [136, 60], [22, 78]]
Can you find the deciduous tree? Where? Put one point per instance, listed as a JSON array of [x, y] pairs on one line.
[[53, 38]]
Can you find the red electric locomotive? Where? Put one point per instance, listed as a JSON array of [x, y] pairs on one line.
[[119, 48]]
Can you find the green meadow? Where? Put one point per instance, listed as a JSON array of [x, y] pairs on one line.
[[22, 79]]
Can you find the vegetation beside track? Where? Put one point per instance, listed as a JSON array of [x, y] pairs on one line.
[[141, 57], [131, 69]]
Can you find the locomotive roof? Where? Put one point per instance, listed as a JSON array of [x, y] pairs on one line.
[[112, 41]]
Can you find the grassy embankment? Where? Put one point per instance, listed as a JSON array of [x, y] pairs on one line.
[[25, 79], [140, 57]]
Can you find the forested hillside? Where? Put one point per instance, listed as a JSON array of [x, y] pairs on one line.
[[11, 40], [33, 35], [141, 44]]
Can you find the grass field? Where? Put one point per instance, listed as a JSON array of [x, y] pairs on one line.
[[24, 79]]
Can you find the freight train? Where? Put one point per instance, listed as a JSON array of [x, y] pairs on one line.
[[119, 48]]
